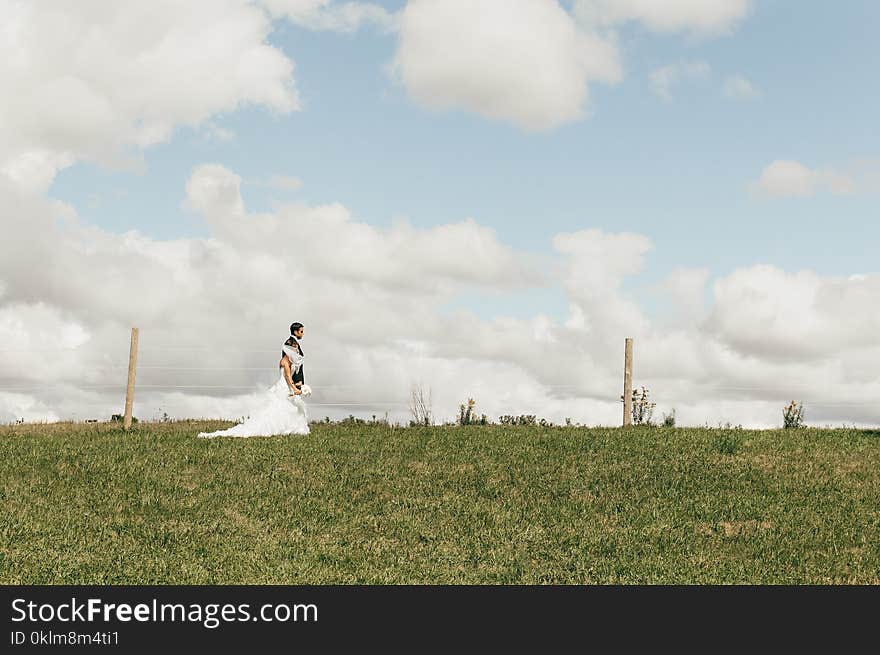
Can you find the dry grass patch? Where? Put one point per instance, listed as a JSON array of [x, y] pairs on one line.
[[730, 529]]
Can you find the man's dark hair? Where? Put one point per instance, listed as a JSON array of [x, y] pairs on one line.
[[295, 326]]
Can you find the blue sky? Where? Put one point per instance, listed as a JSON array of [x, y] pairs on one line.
[[675, 170]]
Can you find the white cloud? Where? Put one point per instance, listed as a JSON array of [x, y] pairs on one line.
[[597, 263], [330, 15], [214, 190], [525, 62], [372, 301], [99, 81], [665, 78], [531, 62], [335, 245], [707, 17], [765, 312], [738, 87], [786, 178], [686, 289]]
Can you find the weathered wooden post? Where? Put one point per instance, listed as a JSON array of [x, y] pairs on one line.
[[627, 382], [132, 367]]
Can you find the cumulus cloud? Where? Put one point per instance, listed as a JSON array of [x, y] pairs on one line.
[[100, 81], [525, 62], [707, 17], [665, 78], [686, 290], [212, 311], [330, 15], [784, 177], [765, 312], [598, 262], [532, 62], [215, 191], [335, 245], [787, 178]]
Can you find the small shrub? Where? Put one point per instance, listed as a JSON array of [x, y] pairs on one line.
[[466, 413], [420, 405], [522, 419], [669, 420], [642, 407], [379, 421], [793, 415]]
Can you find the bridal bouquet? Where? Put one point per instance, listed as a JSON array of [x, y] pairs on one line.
[[305, 389]]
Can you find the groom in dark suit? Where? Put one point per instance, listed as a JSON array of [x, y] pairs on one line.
[[296, 333]]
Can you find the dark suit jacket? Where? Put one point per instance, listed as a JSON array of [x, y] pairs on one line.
[[298, 376]]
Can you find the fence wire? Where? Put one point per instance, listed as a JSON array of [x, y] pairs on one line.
[[708, 392]]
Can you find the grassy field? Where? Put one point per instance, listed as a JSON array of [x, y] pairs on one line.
[[371, 504]]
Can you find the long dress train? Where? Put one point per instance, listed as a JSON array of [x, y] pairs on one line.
[[282, 414]]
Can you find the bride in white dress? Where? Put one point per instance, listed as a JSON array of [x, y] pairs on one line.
[[285, 411]]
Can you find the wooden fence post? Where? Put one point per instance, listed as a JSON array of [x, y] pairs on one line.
[[132, 367], [627, 382]]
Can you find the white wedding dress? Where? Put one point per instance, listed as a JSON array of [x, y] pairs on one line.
[[281, 414]]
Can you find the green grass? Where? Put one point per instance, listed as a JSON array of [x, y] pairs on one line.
[[369, 504]]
